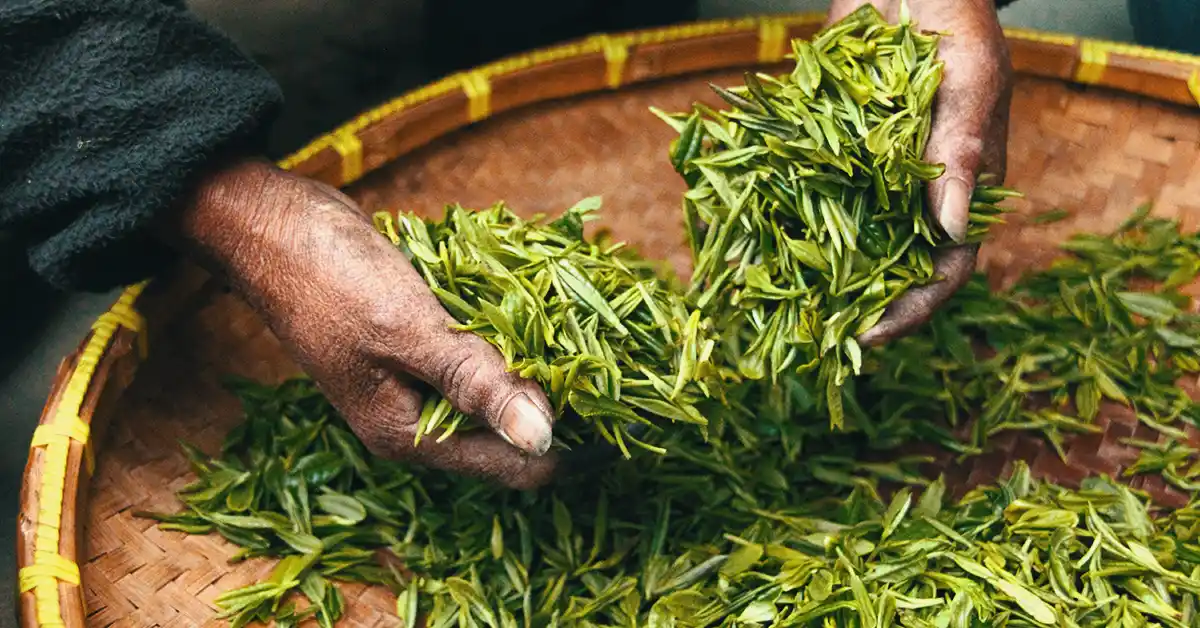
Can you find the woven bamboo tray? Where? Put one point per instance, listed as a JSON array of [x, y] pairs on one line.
[[1096, 129]]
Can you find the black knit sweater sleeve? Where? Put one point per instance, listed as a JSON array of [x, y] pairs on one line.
[[109, 111]]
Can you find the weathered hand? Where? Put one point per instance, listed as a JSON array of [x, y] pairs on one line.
[[361, 322], [969, 136]]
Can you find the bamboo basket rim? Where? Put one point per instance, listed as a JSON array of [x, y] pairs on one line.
[[61, 453]]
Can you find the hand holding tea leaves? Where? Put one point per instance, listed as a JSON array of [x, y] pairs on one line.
[[603, 331], [360, 320], [969, 136], [810, 223]]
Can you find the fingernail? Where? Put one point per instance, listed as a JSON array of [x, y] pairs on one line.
[[525, 426], [952, 214], [876, 335]]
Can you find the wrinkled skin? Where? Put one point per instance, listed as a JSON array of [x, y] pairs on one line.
[[358, 318], [970, 132]]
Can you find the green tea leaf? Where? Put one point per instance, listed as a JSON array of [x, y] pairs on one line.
[[347, 509], [1149, 305]]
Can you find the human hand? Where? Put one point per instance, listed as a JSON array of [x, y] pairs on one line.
[[969, 136], [359, 319]]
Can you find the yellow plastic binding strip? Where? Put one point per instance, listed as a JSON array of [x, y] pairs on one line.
[[1143, 52], [49, 567], [1061, 39], [122, 314], [616, 54], [46, 572], [696, 29], [1093, 59], [1194, 85], [75, 430], [415, 97], [350, 149], [52, 566], [772, 39], [479, 94]]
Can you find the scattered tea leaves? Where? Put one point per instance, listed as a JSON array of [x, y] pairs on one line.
[[1050, 216], [1107, 323], [721, 543]]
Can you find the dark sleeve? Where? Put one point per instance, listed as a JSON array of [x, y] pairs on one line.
[[109, 111]]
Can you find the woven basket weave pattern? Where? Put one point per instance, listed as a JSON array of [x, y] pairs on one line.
[[1094, 153]]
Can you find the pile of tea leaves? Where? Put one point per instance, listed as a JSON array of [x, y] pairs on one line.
[[772, 520], [807, 206], [607, 335]]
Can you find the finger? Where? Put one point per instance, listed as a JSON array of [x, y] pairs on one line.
[[965, 108], [839, 9], [916, 306], [469, 372], [474, 377], [413, 335], [387, 423]]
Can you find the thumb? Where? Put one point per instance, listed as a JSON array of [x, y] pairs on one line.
[[957, 141], [473, 376], [969, 104], [411, 333]]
